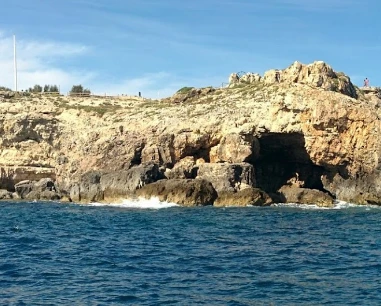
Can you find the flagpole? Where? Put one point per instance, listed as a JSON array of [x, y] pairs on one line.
[[15, 61]]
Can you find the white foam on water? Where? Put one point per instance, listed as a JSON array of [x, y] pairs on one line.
[[140, 203], [336, 205]]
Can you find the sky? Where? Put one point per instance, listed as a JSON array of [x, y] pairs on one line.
[[158, 46]]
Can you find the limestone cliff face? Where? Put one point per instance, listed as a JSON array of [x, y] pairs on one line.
[[313, 126]]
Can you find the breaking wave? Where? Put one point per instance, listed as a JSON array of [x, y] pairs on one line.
[[336, 205], [139, 203]]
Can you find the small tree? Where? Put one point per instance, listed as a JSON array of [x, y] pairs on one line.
[[3, 88], [79, 89], [51, 88], [54, 88], [37, 88]]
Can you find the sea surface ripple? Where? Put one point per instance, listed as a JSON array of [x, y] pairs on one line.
[[68, 254]]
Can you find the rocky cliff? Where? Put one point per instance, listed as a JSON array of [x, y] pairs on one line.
[[305, 133]]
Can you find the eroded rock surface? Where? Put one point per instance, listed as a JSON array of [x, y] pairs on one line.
[[242, 198], [185, 192], [305, 196], [311, 127]]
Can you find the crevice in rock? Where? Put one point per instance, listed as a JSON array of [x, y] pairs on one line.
[[137, 159], [203, 153]]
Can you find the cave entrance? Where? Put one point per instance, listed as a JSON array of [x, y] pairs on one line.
[[283, 157]]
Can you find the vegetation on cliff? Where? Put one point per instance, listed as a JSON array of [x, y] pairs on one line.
[[307, 128]]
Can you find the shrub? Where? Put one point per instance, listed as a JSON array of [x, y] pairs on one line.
[[51, 88], [79, 89], [36, 88], [184, 90]]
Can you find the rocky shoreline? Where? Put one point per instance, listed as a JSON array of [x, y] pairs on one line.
[[304, 134]]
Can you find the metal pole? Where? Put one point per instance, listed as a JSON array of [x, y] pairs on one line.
[[15, 61]]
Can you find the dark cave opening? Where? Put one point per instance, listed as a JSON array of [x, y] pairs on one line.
[[283, 157], [203, 153]]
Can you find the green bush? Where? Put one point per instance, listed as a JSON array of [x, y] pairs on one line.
[[184, 90], [51, 88], [36, 88], [79, 89]]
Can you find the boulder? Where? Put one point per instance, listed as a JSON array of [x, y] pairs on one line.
[[246, 197], [316, 74], [121, 184], [364, 189], [44, 184], [5, 195], [250, 78], [235, 148], [23, 188], [185, 192], [227, 177], [184, 169], [233, 79], [44, 189], [160, 152], [305, 196], [88, 188], [270, 76], [254, 78], [44, 195]]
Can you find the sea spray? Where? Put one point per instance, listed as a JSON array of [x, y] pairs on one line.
[[140, 203], [338, 204]]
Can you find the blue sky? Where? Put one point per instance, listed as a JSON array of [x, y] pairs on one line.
[[159, 46]]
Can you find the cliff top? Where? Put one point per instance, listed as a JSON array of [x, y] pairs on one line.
[[307, 116]]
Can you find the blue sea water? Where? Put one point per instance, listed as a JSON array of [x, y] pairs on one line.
[[68, 254]]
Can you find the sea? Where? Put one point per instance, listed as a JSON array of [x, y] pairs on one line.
[[147, 252]]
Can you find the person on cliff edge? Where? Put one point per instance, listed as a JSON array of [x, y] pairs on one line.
[[277, 76], [366, 82]]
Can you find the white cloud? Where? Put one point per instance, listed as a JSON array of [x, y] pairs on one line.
[[35, 63], [42, 62]]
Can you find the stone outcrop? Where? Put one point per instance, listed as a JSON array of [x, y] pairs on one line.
[[5, 195], [227, 177], [185, 192], [364, 189], [245, 78], [96, 186], [88, 188], [233, 79], [44, 189], [305, 196], [235, 148], [313, 129], [317, 74], [121, 184], [184, 169], [242, 198], [11, 175]]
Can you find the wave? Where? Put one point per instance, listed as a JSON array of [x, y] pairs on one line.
[[140, 203], [336, 205], [155, 203]]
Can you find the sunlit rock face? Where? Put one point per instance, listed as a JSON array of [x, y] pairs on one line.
[[305, 126]]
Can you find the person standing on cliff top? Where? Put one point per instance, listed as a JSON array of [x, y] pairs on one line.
[[366, 82], [277, 76]]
